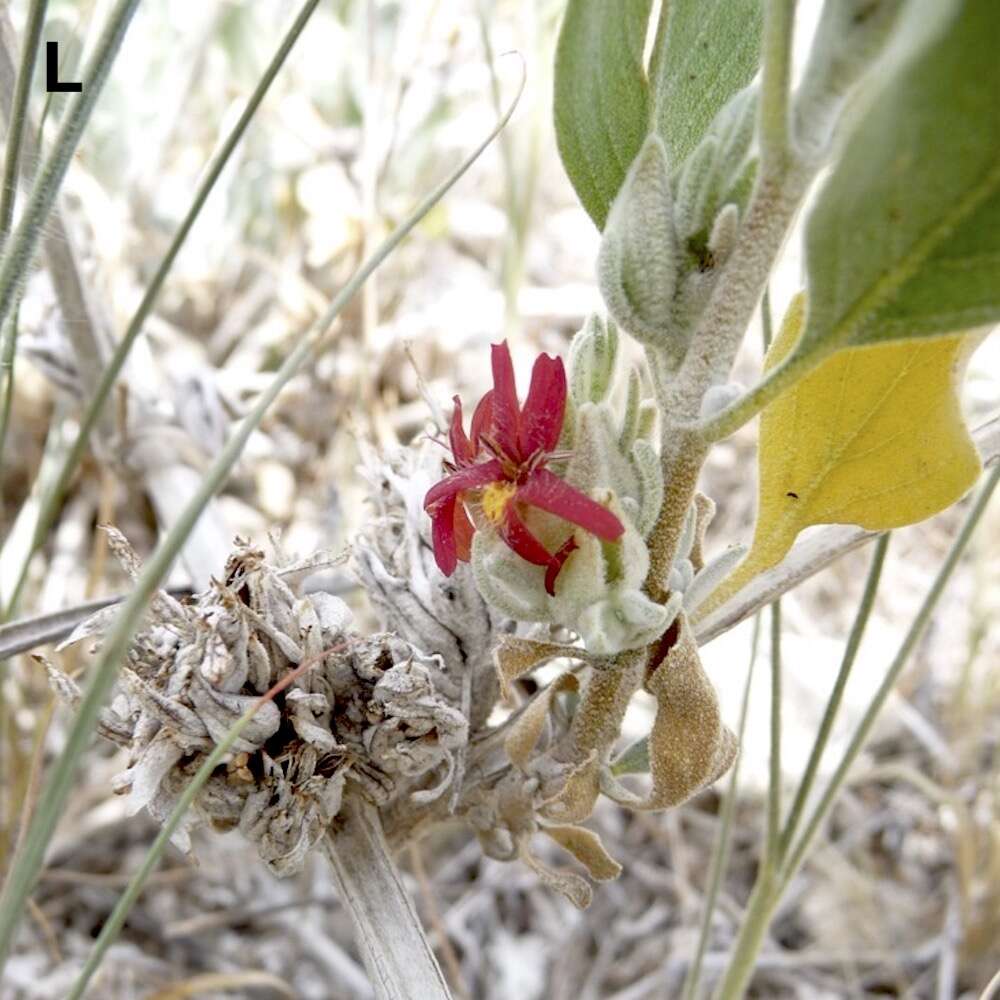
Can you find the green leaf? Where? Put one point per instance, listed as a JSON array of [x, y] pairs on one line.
[[705, 51], [904, 240], [601, 96]]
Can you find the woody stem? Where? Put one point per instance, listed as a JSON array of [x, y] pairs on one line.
[[396, 952]]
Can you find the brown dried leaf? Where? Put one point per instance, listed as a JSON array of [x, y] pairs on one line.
[[689, 746], [514, 657], [587, 847], [527, 730], [574, 887]]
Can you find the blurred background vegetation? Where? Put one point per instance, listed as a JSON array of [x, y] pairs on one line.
[[378, 101]]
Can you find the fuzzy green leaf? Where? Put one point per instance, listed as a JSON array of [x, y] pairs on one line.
[[904, 240], [705, 51], [601, 96]]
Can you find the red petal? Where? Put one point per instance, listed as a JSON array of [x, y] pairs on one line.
[[443, 535], [506, 414], [482, 419], [556, 564], [465, 479], [548, 492], [514, 532], [461, 447], [545, 406], [464, 530]]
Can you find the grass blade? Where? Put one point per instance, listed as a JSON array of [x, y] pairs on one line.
[[798, 853], [24, 240], [105, 669], [19, 115], [95, 405], [837, 694]]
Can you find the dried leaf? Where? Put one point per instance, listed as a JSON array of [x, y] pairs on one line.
[[587, 847], [514, 657], [527, 730], [574, 887], [689, 746]]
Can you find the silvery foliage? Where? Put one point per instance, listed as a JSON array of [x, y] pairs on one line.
[[374, 711], [394, 561], [670, 230]]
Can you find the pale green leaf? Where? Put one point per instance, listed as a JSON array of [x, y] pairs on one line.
[[705, 51], [904, 240], [601, 96]]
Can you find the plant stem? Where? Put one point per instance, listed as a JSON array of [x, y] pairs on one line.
[[917, 626], [19, 116], [396, 953], [756, 920], [723, 842], [837, 694], [22, 244], [774, 780], [779, 26]]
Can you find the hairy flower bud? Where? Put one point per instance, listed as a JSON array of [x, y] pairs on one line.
[[593, 355], [638, 260]]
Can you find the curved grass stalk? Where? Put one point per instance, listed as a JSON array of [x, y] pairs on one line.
[[19, 115], [837, 694], [24, 240], [27, 866], [95, 405], [771, 884], [723, 842]]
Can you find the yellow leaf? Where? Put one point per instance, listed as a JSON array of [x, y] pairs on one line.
[[874, 436]]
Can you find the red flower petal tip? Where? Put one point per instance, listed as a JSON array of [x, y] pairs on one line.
[[500, 467]]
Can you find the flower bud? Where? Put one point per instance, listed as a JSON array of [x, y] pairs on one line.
[[638, 259], [625, 619], [718, 397], [696, 188], [593, 354], [725, 229]]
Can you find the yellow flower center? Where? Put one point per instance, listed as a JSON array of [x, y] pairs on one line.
[[496, 496]]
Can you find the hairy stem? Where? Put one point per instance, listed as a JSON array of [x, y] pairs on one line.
[[779, 24], [396, 953]]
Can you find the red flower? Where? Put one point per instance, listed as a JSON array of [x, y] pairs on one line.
[[501, 467]]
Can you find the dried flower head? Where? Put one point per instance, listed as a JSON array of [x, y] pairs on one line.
[[371, 711]]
